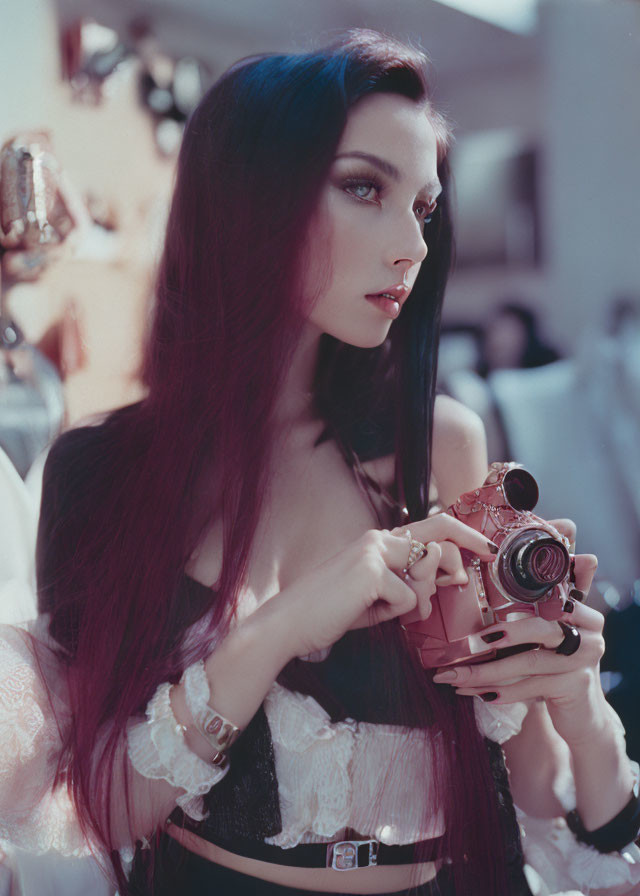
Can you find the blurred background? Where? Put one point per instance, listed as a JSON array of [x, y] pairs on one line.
[[542, 318]]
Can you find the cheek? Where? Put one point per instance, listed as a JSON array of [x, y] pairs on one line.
[[318, 259], [351, 236]]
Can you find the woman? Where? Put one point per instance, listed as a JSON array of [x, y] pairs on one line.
[[226, 554]]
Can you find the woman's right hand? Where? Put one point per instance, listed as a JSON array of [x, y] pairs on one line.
[[363, 584]]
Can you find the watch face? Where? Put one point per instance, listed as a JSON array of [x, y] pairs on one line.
[[520, 489]]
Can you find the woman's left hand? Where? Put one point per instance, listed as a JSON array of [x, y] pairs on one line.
[[570, 685]]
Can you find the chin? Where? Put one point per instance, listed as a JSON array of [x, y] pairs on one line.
[[361, 338]]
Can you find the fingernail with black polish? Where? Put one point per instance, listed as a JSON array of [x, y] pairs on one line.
[[568, 606], [493, 548], [577, 595], [489, 696], [493, 636]]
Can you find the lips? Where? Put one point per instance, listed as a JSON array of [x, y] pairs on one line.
[[389, 301], [397, 293]]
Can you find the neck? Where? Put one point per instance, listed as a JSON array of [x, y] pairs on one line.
[[295, 402]]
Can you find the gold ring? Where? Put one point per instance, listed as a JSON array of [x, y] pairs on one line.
[[417, 550]]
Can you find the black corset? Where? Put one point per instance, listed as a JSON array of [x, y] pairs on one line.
[[362, 679]]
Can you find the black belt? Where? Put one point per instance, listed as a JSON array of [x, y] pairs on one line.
[[341, 855]]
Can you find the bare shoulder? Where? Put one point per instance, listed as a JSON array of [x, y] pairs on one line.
[[459, 451], [458, 435], [454, 424]]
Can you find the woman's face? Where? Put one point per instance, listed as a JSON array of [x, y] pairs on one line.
[[370, 231]]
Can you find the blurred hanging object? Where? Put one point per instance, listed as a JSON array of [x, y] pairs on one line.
[[170, 89], [38, 212], [90, 54], [31, 398], [34, 212], [39, 208]]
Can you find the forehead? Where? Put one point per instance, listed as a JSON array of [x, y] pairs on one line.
[[396, 129]]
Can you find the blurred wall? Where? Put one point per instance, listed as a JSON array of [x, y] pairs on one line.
[[29, 53], [578, 103], [591, 186]]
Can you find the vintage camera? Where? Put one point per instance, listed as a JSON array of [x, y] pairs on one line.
[[530, 575]]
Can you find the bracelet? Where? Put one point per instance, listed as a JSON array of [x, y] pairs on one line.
[[218, 731], [615, 834]]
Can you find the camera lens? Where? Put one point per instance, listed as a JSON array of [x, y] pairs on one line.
[[532, 564]]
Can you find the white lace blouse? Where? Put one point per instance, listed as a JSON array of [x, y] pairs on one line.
[[329, 777]]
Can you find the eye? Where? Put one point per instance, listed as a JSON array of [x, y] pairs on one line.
[[364, 189]]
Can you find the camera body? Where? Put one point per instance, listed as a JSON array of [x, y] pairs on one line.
[[530, 575]]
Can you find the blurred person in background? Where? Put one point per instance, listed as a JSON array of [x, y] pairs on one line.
[[220, 678], [511, 340]]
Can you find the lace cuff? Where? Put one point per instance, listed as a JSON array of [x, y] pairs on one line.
[[157, 750], [565, 864], [499, 723]]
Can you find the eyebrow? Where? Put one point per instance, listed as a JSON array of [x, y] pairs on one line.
[[387, 168]]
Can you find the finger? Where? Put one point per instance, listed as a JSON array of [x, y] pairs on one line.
[[424, 591], [538, 662], [585, 569], [567, 528], [451, 565], [443, 527], [535, 630], [395, 599], [526, 689], [498, 673], [396, 548], [426, 569], [422, 578]]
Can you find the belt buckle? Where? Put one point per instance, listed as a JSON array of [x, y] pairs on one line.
[[343, 855]]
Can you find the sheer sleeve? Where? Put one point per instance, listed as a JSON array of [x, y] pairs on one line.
[[564, 862], [36, 814], [557, 862]]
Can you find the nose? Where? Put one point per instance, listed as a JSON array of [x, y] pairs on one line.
[[408, 248]]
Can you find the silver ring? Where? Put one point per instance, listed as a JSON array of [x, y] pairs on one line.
[[571, 640]]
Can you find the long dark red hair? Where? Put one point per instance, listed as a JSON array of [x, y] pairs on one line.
[[120, 521]]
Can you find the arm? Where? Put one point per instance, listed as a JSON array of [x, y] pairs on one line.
[[543, 798], [359, 586], [168, 749], [574, 737], [591, 744], [163, 766]]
